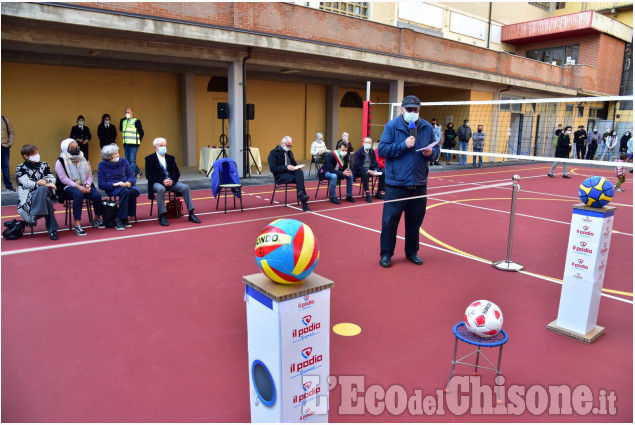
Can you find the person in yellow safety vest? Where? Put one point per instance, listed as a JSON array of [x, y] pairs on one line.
[[132, 133]]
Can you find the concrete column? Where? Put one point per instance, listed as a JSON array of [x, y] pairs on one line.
[[395, 94], [332, 116], [235, 100], [188, 106]]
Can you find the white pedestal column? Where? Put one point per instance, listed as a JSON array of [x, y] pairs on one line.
[[587, 254], [288, 342]]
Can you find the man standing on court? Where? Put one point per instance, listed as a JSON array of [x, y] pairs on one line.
[[404, 146], [464, 134], [580, 137], [132, 134]]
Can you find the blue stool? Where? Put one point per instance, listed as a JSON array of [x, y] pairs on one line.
[[462, 333]]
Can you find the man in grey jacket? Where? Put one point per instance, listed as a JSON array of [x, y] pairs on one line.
[[478, 140], [464, 133]]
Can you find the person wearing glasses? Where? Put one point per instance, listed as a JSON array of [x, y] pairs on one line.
[[405, 146]]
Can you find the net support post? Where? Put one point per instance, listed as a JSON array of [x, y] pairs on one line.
[[587, 255], [288, 339], [507, 264]]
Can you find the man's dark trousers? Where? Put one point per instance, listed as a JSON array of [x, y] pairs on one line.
[[414, 211]]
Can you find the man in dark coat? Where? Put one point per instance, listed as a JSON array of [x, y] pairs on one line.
[[163, 175], [562, 151], [285, 170]]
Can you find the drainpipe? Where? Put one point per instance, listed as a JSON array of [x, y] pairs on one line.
[[489, 23], [246, 168]]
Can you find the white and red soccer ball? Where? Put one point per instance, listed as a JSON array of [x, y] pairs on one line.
[[483, 318]]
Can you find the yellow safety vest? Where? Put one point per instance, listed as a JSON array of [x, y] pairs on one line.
[[129, 132]]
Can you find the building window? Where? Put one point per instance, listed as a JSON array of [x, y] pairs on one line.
[[358, 9], [544, 5], [560, 5], [560, 56], [513, 107]]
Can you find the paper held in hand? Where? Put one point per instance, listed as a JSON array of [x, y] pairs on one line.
[[430, 146], [297, 167]]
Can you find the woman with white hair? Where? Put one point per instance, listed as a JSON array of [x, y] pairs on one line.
[[76, 177], [318, 147], [115, 176]]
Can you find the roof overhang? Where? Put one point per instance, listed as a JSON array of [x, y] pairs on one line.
[[565, 26]]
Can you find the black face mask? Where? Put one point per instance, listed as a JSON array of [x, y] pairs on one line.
[[74, 152]]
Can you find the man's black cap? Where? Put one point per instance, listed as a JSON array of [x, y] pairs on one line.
[[410, 102]]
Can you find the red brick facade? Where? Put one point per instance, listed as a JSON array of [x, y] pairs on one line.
[[600, 51], [290, 20]]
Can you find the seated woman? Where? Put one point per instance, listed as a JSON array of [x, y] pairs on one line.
[[36, 190], [115, 176], [74, 172]]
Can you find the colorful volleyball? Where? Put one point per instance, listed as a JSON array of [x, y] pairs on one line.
[[596, 192], [287, 251]]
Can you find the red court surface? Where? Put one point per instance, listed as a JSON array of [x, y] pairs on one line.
[[149, 325]]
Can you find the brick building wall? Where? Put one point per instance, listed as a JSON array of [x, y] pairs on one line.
[[600, 51], [289, 20]]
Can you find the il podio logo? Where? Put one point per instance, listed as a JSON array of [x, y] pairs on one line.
[[309, 391], [307, 412], [582, 248], [309, 362], [306, 302], [585, 231], [580, 264], [307, 329]]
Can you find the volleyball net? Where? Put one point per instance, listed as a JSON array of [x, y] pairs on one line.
[[524, 129]]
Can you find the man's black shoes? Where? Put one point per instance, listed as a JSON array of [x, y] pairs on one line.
[[334, 201], [384, 261], [350, 199], [162, 220], [305, 206], [303, 197], [415, 259], [193, 218]]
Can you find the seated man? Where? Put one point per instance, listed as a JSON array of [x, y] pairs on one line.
[[336, 167], [163, 174], [366, 165], [286, 170]]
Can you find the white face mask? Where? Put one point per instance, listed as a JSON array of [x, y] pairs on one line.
[[106, 122], [115, 159], [285, 147], [595, 130], [367, 146], [35, 158], [410, 117], [343, 152], [569, 132], [128, 115], [80, 123]]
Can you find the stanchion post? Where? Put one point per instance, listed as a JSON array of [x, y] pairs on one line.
[[507, 264]]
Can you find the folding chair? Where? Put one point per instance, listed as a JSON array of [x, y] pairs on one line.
[[224, 187], [68, 216], [115, 199], [315, 160], [286, 188], [328, 186], [171, 197]]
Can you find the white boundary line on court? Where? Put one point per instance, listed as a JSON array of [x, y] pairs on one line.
[[320, 214]]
